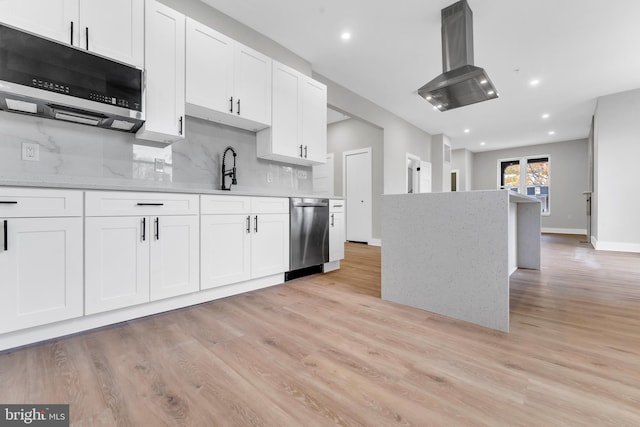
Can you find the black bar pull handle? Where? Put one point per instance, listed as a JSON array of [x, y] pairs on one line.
[[332, 220], [6, 235], [71, 33], [248, 224], [157, 225], [238, 107], [180, 130], [255, 228], [305, 151], [144, 229], [8, 202], [300, 150], [150, 204], [86, 35], [231, 104]]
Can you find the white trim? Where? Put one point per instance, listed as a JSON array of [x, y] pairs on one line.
[[553, 230], [616, 246], [366, 150], [594, 241], [375, 242], [411, 158], [85, 323]]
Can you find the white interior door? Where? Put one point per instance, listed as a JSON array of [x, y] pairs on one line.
[[357, 193], [425, 177]]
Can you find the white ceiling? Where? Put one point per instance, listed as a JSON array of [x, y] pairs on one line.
[[577, 49]]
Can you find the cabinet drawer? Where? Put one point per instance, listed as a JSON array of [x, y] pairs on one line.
[[31, 202], [115, 203], [266, 205], [336, 205], [214, 205]]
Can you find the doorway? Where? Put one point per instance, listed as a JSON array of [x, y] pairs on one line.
[[455, 179], [357, 194]]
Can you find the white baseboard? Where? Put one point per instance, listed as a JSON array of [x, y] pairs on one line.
[[553, 230], [375, 242], [615, 246]]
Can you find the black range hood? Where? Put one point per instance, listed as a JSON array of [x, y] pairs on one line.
[[461, 82]]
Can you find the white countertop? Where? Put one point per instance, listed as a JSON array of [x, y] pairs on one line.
[[160, 187]]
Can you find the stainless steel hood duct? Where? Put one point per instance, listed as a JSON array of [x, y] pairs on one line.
[[461, 83]]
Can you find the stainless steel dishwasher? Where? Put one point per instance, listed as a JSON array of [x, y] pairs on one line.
[[309, 235]]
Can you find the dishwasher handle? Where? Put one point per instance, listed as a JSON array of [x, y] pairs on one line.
[[309, 204]]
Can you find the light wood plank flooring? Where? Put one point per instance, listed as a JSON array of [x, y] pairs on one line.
[[325, 350]]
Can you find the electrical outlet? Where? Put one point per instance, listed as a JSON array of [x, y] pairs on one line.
[[302, 174], [159, 165], [31, 151]]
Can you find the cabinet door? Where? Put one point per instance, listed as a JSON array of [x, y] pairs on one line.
[[252, 85], [269, 244], [314, 121], [175, 258], [285, 124], [226, 250], [48, 18], [164, 74], [337, 236], [41, 271], [116, 262], [115, 29], [209, 81]]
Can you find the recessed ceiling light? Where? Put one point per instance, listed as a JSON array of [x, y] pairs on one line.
[[483, 143], [439, 106], [552, 132], [545, 116], [534, 82], [483, 81], [428, 98], [345, 35], [467, 130], [490, 92]]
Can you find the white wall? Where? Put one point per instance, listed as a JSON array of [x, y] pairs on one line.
[[462, 160], [350, 135], [569, 178], [617, 150], [440, 170], [400, 137]]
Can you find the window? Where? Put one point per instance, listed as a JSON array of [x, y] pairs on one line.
[[528, 175]]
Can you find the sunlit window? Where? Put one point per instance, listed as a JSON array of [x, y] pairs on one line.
[[528, 175]]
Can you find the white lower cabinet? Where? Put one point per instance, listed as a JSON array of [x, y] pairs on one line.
[[131, 260], [243, 238], [40, 257], [337, 230]]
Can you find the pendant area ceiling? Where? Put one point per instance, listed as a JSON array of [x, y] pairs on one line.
[[545, 57]]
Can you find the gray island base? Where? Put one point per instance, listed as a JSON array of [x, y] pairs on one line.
[[453, 253]]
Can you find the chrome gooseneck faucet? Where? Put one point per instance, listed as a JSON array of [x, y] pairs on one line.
[[231, 172]]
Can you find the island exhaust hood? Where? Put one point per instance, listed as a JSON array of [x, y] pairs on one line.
[[461, 83]]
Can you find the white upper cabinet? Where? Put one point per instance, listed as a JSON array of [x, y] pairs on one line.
[[114, 29], [227, 82], [298, 132], [164, 74]]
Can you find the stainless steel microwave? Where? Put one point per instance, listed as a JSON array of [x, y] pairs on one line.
[[46, 78]]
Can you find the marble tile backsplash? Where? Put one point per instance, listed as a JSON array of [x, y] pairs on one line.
[[71, 153]]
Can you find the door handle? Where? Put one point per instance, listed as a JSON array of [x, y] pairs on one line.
[[332, 220], [231, 104], [305, 151], [144, 229], [300, 150], [7, 202], [255, 227], [71, 33], [149, 204], [86, 36], [248, 224], [238, 107], [5, 237], [157, 230], [180, 130]]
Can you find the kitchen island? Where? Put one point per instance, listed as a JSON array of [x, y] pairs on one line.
[[453, 253]]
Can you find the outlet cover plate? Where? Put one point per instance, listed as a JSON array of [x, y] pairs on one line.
[[31, 151]]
